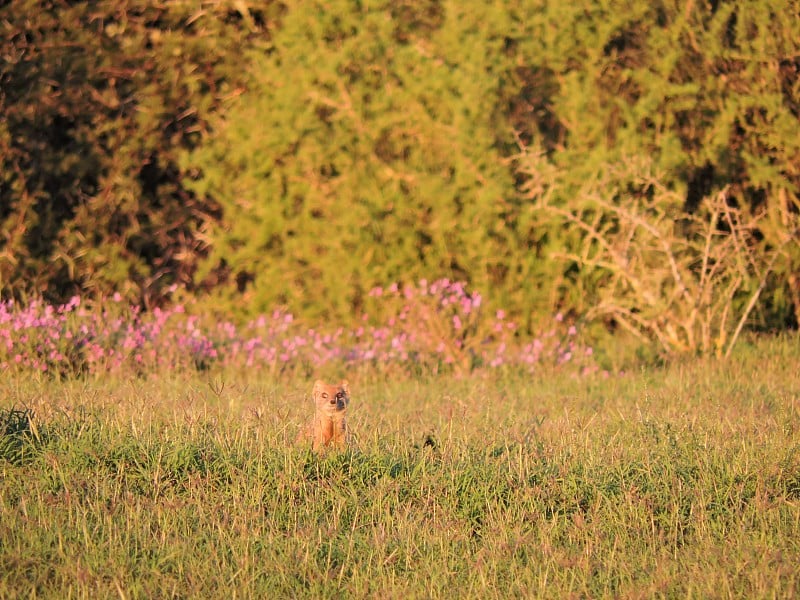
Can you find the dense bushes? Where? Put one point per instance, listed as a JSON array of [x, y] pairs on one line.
[[302, 155], [708, 95], [363, 153], [97, 101]]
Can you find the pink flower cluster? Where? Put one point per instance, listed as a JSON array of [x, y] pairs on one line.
[[434, 326]]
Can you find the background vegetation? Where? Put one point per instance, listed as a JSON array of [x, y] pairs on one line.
[[634, 163]]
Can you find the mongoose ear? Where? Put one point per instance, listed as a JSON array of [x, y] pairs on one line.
[[318, 385], [345, 386]]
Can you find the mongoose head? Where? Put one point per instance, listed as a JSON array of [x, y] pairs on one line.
[[331, 399]]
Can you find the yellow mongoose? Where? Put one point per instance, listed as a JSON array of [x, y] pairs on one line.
[[329, 427]]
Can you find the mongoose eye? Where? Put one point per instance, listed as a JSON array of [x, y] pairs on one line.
[[324, 394]]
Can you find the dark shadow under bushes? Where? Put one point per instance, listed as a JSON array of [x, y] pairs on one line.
[[21, 439]]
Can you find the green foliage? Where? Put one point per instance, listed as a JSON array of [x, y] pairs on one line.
[[97, 102], [386, 154], [303, 154], [708, 92], [362, 154]]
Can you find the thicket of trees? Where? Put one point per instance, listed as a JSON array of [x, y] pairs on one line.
[[98, 102], [637, 162]]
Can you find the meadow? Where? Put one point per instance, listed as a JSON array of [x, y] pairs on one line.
[[673, 481]]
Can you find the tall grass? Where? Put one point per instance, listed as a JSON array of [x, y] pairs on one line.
[[680, 482]]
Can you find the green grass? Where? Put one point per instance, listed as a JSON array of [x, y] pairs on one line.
[[675, 482]]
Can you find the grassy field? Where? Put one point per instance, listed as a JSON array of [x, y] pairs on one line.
[[682, 481]]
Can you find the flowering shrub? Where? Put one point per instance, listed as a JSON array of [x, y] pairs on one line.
[[436, 326]]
